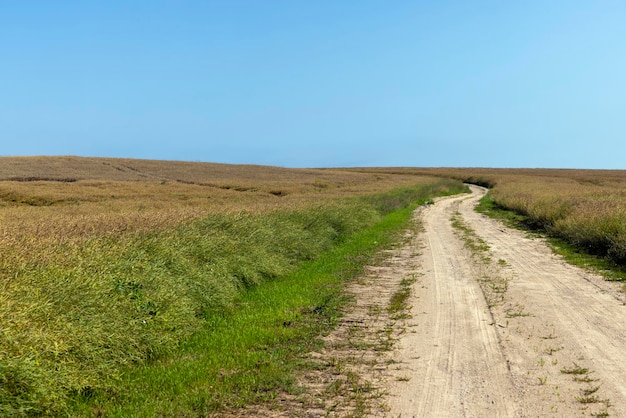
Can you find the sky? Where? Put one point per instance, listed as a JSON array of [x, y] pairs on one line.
[[317, 83]]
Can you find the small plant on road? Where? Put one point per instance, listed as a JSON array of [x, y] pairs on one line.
[[398, 304], [575, 370]]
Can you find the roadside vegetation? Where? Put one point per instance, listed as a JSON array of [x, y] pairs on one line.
[[602, 265], [175, 290], [493, 280], [590, 216]]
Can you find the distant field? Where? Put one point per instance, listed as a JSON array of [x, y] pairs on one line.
[[586, 208], [44, 200]]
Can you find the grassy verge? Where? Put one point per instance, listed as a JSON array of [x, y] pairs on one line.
[[604, 266], [94, 321], [249, 354]]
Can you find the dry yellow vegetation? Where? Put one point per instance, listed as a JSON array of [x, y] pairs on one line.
[[47, 200], [107, 261], [52, 200]]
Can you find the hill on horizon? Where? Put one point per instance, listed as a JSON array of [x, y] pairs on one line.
[[75, 168]]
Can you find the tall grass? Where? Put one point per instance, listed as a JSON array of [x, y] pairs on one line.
[[591, 217], [72, 321], [251, 354]]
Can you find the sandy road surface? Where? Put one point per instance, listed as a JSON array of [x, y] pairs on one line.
[[519, 356]]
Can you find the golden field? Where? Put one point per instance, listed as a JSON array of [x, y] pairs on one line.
[[48, 200]]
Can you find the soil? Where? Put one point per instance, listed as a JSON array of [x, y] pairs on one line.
[[506, 330]]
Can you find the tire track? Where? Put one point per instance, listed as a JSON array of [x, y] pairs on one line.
[[458, 366]]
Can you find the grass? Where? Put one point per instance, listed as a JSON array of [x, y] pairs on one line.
[[584, 208], [250, 354], [493, 282], [584, 214], [517, 312], [589, 393], [477, 245], [575, 370], [398, 304], [104, 278], [118, 196], [601, 265], [488, 207]]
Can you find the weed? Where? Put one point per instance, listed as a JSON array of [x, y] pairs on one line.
[[493, 283], [477, 245], [575, 370], [516, 312], [590, 391], [587, 399], [585, 378], [551, 350], [581, 216], [398, 302]]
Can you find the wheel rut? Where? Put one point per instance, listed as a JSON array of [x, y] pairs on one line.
[[459, 367]]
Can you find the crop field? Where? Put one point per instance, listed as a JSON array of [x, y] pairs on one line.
[[108, 264]]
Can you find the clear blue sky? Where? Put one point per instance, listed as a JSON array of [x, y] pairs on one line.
[[317, 83]]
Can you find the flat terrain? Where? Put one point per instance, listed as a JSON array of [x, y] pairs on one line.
[[494, 324], [552, 345]]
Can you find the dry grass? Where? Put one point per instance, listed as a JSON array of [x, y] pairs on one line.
[[48, 200], [40, 206], [591, 215]]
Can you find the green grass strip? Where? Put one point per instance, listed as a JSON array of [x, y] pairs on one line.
[[249, 354]]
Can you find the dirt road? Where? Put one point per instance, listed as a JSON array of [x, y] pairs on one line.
[[506, 329]]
